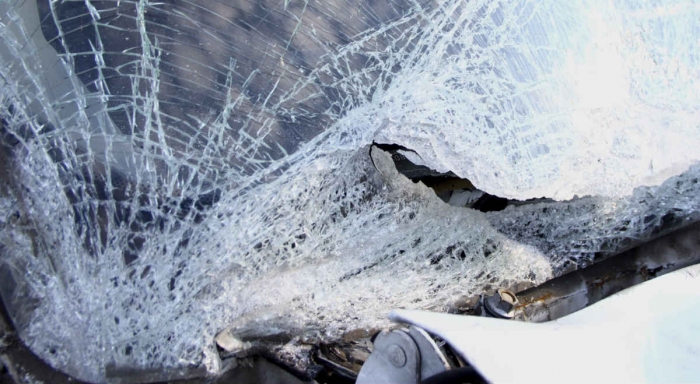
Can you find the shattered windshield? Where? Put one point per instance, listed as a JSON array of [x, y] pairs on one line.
[[174, 169]]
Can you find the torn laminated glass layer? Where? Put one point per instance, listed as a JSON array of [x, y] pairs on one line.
[[174, 168]]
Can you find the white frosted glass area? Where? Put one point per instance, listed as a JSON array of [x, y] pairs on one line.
[[172, 169]]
